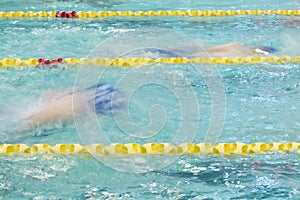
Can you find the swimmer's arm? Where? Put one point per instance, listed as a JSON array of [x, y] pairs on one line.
[[59, 111]]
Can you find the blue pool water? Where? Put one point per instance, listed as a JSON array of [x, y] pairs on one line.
[[261, 100]]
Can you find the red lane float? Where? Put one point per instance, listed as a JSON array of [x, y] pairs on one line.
[[42, 62], [60, 14]]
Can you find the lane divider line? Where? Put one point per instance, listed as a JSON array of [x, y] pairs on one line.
[[136, 62], [149, 13], [165, 149]]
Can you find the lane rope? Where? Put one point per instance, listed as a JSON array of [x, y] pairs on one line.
[[149, 13], [136, 62], [165, 149]]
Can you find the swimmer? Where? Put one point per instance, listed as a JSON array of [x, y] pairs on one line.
[[101, 99], [227, 50], [237, 49]]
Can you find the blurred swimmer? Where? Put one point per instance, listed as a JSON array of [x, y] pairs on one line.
[[237, 49], [226, 50], [101, 99]]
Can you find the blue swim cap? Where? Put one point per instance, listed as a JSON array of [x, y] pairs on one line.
[[104, 98], [268, 49]]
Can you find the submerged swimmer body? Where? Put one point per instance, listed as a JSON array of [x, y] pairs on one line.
[[237, 49], [226, 50], [101, 99]]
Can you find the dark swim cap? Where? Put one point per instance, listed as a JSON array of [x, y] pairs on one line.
[[104, 99], [268, 49]]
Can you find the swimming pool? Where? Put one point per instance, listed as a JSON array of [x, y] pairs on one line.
[[261, 100]]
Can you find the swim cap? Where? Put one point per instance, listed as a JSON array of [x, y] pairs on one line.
[[268, 49], [265, 50], [104, 98]]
